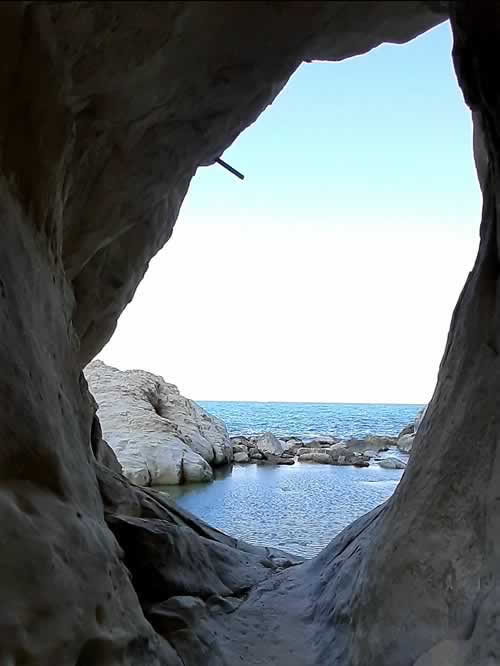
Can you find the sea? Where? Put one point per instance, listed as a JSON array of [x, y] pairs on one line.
[[312, 419], [298, 508]]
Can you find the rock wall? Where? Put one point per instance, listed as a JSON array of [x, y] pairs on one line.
[[108, 109]]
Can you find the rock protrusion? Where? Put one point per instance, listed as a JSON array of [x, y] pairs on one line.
[[159, 436]]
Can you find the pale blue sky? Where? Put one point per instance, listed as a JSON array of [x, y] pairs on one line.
[[330, 273], [389, 127]]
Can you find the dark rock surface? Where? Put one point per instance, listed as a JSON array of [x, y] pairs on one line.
[[108, 110]]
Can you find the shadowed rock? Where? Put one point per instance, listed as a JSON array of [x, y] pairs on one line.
[[108, 110]]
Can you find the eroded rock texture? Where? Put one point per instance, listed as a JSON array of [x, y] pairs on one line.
[[159, 436], [107, 111], [157, 89]]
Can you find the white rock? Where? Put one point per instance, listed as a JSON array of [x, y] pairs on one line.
[[405, 443], [241, 457], [392, 463], [159, 436], [289, 445], [269, 444], [370, 453], [338, 446], [255, 454], [315, 455], [305, 450]]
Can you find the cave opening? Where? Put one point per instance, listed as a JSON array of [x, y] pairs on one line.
[[325, 261], [109, 109], [323, 272]]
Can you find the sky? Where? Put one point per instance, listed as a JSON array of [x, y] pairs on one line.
[[331, 272]]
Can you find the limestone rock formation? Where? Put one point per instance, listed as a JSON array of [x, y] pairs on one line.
[[239, 442], [319, 442], [266, 447], [255, 454], [159, 437], [376, 442], [392, 463], [239, 448], [241, 457], [405, 443], [317, 456], [269, 445], [333, 455], [293, 441], [361, 461], [108, 110]]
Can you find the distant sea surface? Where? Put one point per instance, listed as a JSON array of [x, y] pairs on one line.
[[308, 419], [297, 508]]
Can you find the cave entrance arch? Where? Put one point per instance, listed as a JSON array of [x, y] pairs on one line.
[[361, 199], [294, 295], [109, 109]]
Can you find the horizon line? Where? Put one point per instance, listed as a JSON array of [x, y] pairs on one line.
[[312, 402]]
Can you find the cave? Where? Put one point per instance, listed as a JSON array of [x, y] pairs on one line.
[[109, 109]]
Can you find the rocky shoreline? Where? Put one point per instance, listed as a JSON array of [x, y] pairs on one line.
[[266, 448], [160, 437]]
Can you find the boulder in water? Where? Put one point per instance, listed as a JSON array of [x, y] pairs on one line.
[[392, 463], [306, 451], [377, 442], [240, 440], [320, 442], [317, 456], [269, 445], [241, 457], [370, 453]]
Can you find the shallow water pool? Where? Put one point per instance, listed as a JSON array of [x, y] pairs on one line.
[[298, 508]]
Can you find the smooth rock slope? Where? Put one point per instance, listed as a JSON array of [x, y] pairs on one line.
[[159, 436]]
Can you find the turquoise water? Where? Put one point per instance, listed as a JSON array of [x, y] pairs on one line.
[[307, 419]]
